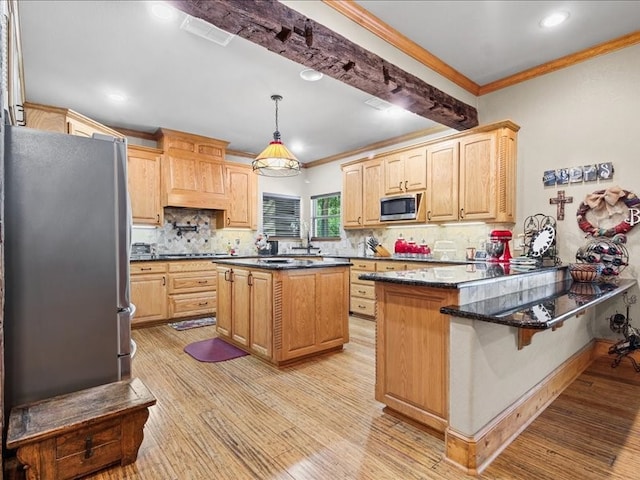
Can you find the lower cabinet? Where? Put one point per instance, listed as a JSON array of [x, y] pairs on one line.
[[362, 299], [283, 315], [164, 291], [148, 289], [192, 288]]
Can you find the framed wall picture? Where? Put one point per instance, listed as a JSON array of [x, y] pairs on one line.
[[605, 171], [549, 178], [575, 175], [562, 176], [590, 173]]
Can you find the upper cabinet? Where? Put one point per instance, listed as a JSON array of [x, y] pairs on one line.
[[242, 186], [467, 176], [193, 171], [362, 187], [473, 176], [64, 120], [143, 171], [405, 171]]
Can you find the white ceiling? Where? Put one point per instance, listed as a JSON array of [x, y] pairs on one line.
[[75, 53]]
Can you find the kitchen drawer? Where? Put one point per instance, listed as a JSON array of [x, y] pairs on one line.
[[138, 268], [354, 274], [363, 291], [192, 282], [192, 266], [363, 306], [390, 266], [364, 265], [188, 304]]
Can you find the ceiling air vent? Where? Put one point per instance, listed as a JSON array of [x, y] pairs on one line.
[[206, 30], [378, 104]]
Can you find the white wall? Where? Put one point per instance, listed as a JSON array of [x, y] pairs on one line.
[[580, 115]]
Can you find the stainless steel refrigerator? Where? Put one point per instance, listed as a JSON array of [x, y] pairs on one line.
[[67, 314]]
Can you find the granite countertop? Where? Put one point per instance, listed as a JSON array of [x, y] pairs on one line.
[[452, 276], [569, 299], [283, 263]]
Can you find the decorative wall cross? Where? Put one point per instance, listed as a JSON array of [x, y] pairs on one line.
[[559, 201]]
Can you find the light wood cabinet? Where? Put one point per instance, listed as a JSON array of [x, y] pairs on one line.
[[192, 171], [143, 170], [362, 189], [245, 309], [191, 288], [148, 291], [64, 120], [362, 298], [473, 177], [412, 344], [283, 315], [164, 291], [242, 186], [405, 171], [352, 196], [442, 172]]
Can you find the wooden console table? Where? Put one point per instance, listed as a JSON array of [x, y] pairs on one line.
[[78, 433]]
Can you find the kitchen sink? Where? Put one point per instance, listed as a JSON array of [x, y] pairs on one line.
[[276, 260]]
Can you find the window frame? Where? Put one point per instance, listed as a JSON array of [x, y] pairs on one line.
[[298, 220], [336, 216]]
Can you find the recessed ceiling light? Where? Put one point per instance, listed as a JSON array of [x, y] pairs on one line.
[[297, 147], [163, 11], [554, 19], [116, 97], [310, 75]]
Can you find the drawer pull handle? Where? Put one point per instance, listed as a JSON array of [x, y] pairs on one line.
[[143, 269], [362, 291], [202, 304], [88, 447], [361, 306], [203, 281]]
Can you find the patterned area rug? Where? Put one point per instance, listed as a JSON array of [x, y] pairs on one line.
[[213, 350], [198, 322]]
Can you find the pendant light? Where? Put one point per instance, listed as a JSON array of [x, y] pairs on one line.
[[276, 160]]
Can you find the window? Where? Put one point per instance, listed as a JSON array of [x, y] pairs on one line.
[[325, 215], [281, 215]]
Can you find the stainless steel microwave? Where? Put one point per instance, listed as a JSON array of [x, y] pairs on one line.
[[399, 207]]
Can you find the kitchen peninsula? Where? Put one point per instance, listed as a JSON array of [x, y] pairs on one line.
[[283, 309], [454, 349]]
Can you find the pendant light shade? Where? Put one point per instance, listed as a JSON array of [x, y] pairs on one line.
[[276, 160]]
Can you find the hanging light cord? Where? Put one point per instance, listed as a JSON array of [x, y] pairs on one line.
[[276, 134]]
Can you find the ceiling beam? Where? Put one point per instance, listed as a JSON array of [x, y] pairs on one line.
[[286, 32]]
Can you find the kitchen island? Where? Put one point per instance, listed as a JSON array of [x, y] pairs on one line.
[[283, 309], [455, 349]]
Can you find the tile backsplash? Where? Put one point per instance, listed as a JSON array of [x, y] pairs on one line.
[[202, 236]]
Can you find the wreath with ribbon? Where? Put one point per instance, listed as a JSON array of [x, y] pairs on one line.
[[605, 200]]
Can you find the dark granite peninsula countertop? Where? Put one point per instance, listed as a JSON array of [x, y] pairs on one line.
[[544, 307], [452, 276], [283, 263]]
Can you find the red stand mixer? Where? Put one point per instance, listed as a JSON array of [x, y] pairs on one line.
[[498, 246]]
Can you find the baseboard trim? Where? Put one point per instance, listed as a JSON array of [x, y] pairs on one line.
[[474, 454]]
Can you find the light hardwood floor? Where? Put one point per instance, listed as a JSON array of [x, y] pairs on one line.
[[243, 419]]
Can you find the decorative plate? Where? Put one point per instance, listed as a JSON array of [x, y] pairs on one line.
[[542, 241]]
